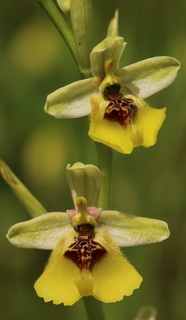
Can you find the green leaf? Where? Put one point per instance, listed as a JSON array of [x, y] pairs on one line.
[[149, 76], [32, 205], [130, 230], [71, 101], [41, 233]]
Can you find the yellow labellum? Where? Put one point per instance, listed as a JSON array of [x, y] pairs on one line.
[[112, 276], [142, 131], [57, 282]]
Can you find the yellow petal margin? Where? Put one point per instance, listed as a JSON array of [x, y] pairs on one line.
[[148, 122], [112, 277], [143, 131], [57, 283]]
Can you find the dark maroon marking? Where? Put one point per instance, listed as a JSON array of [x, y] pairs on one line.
[[85, 252], [120, 109]]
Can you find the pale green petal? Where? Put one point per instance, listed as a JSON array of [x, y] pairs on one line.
[[111, 48], [149, 76], [71, 101], [32, 205], [84, 181], [130, 230], [41, 233]]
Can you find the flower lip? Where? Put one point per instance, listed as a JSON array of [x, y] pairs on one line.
[[85, 252], [120, 109]]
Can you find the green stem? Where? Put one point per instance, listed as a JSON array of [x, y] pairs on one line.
[[105, 165], [81, 19], [93, 308], [56, 17], [32, 205]]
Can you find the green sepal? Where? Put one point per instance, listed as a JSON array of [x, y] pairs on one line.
[[41, 233], [84, 181], [32, 205], [71, 101], [111, 48], [146, 77], [130, 230], [112, 30]]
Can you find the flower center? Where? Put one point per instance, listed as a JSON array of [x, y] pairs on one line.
[[120, 109], [84, 251]]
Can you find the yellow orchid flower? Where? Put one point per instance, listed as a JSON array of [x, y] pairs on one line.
[[119, 117], [86, 259]]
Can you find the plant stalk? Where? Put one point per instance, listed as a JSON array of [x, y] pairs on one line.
[[105, 165]]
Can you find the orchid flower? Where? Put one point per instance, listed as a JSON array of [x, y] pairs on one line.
[[86, 259], [113, 97]]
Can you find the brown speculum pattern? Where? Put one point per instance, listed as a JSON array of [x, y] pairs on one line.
[[85, 251], [120, 109]]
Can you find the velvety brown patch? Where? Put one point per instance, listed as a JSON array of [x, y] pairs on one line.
[[85, 251], [120, 109]]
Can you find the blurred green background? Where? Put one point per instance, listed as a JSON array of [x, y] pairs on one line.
[[149, 182]]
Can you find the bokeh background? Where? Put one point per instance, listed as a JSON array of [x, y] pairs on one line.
[[34, 61]]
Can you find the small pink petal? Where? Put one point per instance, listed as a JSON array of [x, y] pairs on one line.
[[72, 213], [95, 212]]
